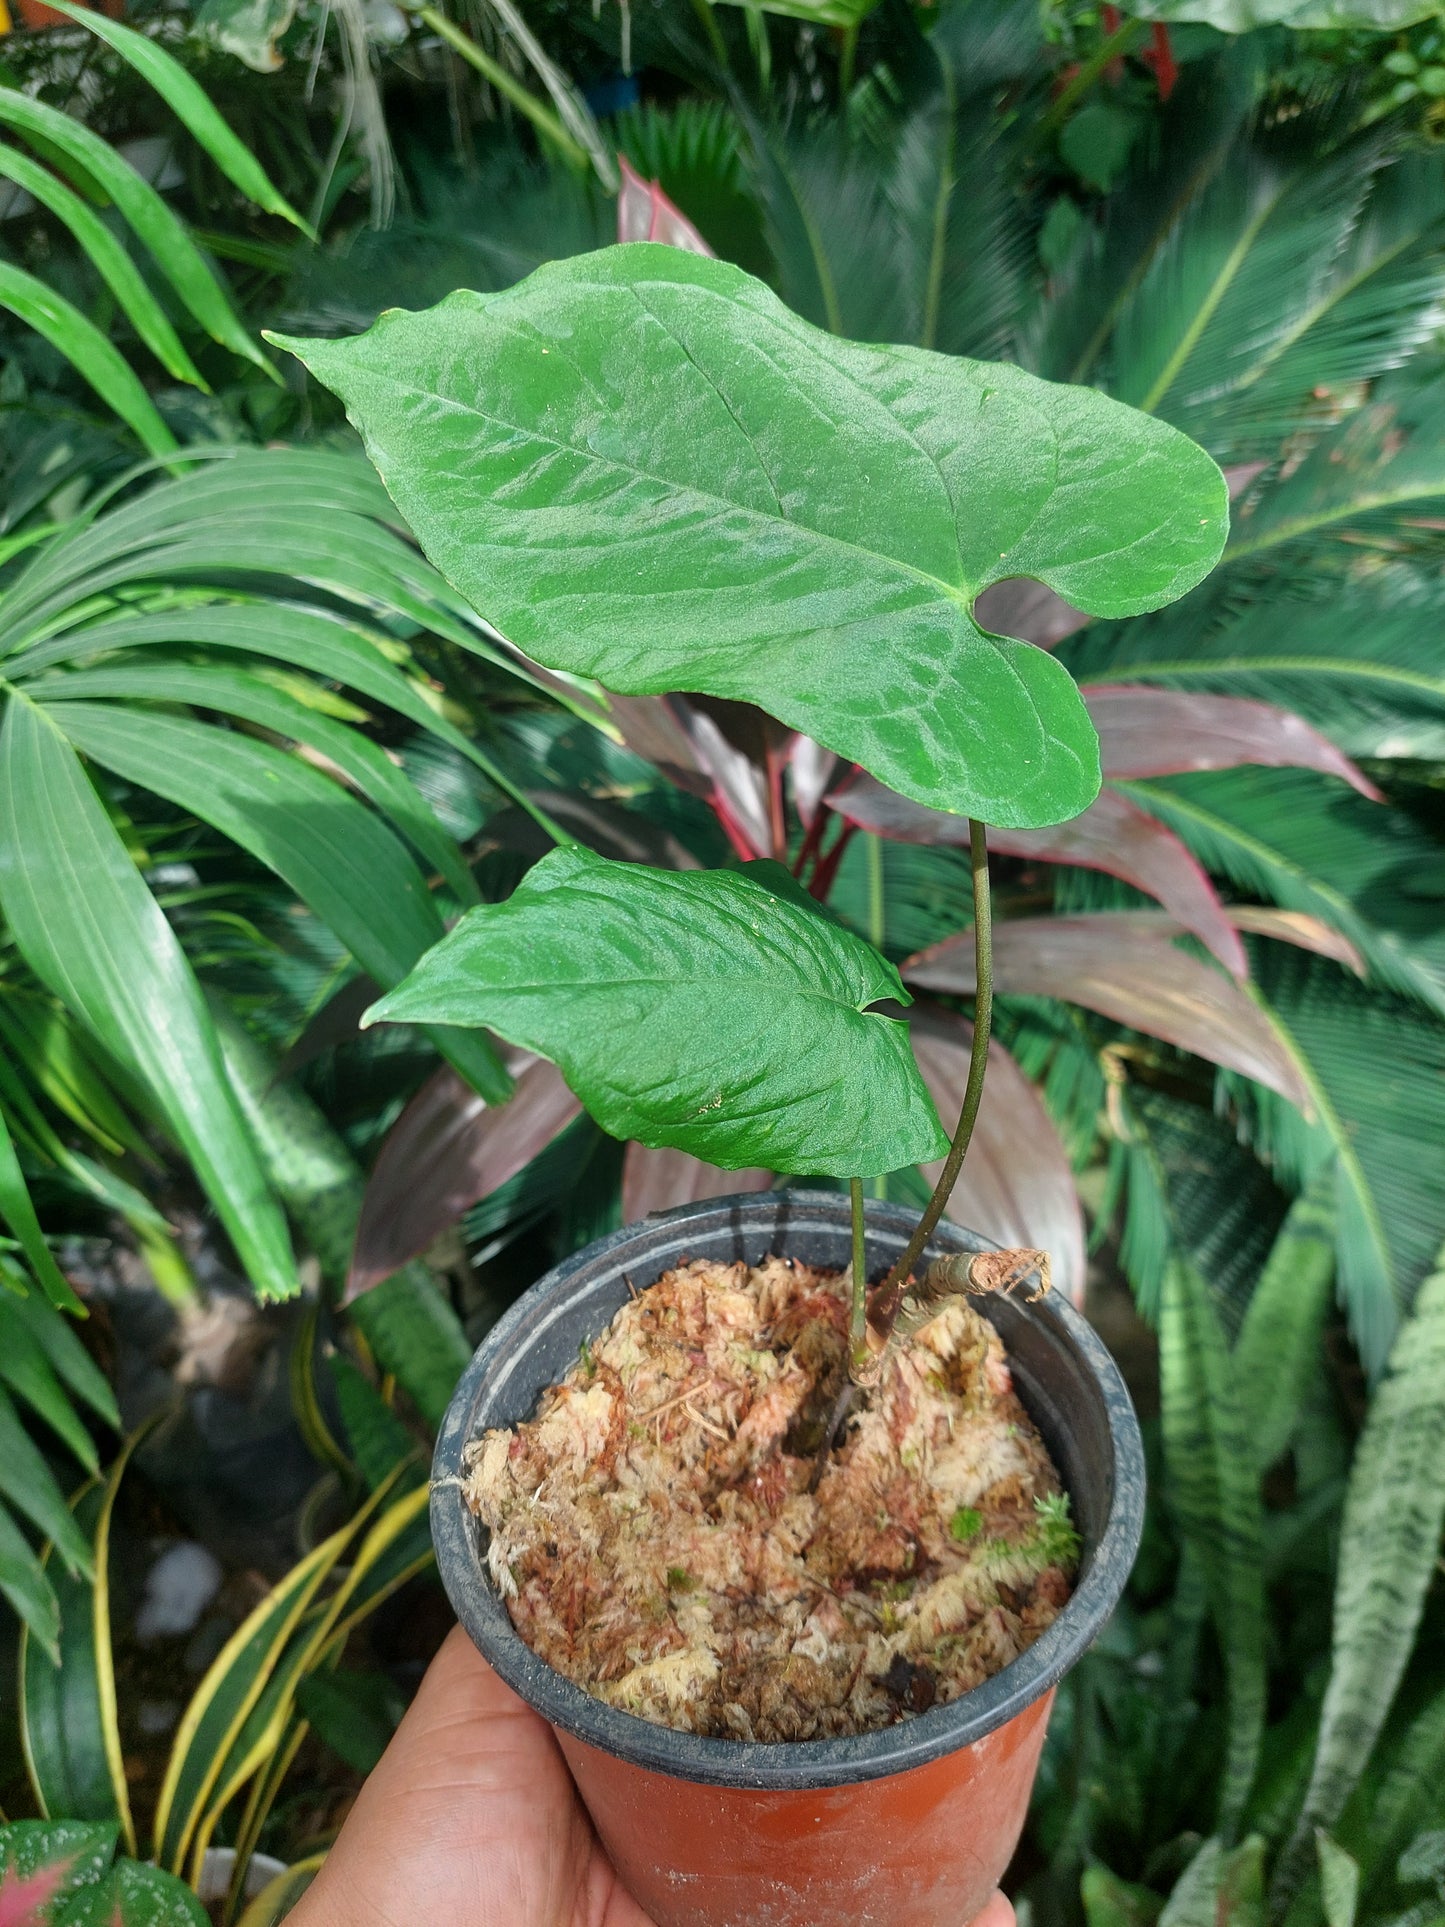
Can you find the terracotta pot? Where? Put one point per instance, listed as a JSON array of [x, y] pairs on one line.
[[35, 14], [911, 1826]]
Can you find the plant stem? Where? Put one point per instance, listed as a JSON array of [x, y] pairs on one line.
[[889, 1292], [858, 1327], [542, 118]]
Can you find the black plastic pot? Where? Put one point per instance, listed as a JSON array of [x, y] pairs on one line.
[[909, 1826]]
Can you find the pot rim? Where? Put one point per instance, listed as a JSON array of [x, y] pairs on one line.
[[779, 1764]]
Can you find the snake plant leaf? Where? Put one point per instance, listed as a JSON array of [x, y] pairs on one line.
[[1215, 1487], [1389, 1546], [700, 1010], [642, 467]]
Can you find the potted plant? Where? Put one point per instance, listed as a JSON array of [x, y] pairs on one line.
[[640, 467]]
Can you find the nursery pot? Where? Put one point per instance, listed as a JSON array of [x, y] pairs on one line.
[[909, 1826]]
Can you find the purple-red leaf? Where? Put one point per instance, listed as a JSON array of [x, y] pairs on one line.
[[1029, 611], [812, 768], [652, 729], [1160, 732], [1113, 835], [644, 213], [658, 1180], [1123, 966], [447, 1150], [1017, 1186]]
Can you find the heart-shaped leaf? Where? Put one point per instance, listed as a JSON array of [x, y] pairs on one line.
[[640, 466], [701, 1010], [42, 1862]]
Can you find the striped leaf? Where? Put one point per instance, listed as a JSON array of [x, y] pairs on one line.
[[1389, 1544], [1277, 1354], [1215, 1496]]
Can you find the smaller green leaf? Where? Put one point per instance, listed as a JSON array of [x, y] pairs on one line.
[[68, 1358], [191, 104], [26, 1370], [379, 1441], [693, 1009], [88, 352]]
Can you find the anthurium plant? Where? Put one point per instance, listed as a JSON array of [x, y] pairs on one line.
[[642, 468]]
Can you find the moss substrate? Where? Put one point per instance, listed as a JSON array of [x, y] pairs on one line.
[[655, 1540]]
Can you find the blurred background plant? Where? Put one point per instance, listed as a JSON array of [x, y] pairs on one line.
[[255, 753]]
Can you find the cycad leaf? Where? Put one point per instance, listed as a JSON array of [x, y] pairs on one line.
[[92, 932], [153, 223], [1215, 1494], [1360, 661], [702, 1010], [1389, 1544], [642, 467], [109, 259], [191, 104], [1376, 1071], [88, 351], [1309, 846]]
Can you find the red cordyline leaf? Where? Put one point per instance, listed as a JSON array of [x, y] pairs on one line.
[[1124, 966], [1017, 1185], [1113, 835], [1162, 732], [658, 1180], [447, 1150], [812, 769], [644, 213]]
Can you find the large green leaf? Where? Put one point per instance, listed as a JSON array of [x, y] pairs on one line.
[[700, 1010], [1389, 1547], [86, 348], [93, 933], [1214, 1489], [132, 1895], [642, 467]]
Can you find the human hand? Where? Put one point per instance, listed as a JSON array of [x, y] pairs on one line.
[[472, 1820]]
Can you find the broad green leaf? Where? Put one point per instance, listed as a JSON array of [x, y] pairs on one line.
[[191, 104], [30, 1488], [641, 467], [153, 223], [109, 259], [1389, 1547], [340, 859], [87, 350], [700, 1010], [1215, 1496], [18, 1213], [132, 1895], [1112, 1902], [23, 1582], [94, 934], [1278, 1354], [42, 1862], [68, 1717]]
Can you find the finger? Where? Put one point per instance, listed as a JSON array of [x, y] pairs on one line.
[[998, 1913], [470, 1816]]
